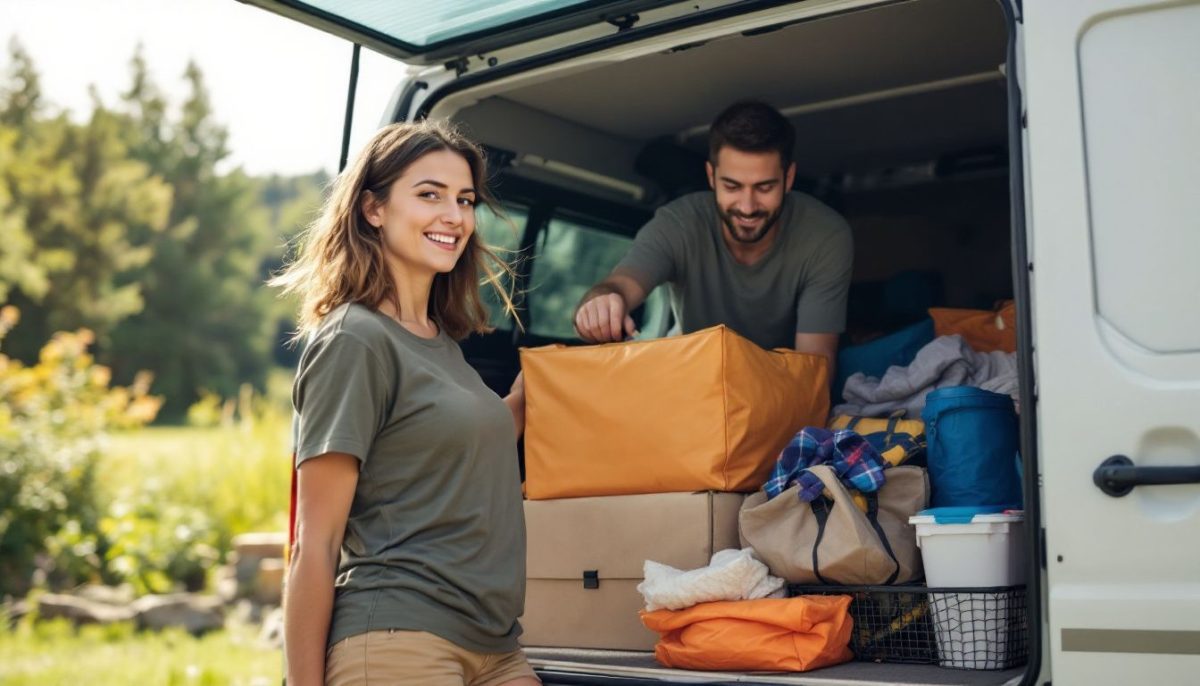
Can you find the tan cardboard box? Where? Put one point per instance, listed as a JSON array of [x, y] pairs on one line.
[[585, 560]]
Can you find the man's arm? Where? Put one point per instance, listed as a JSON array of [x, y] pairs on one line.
[[603, 312], [820, 344]]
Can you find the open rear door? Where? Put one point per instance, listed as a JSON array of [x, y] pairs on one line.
[[1113, 107], [430, 32]]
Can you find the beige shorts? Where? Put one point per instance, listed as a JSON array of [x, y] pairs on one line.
[[418, 657]]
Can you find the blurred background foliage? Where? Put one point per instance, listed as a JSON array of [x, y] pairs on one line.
[[144, 379], [123, 225]]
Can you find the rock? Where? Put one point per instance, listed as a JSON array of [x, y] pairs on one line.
[[81, 610], [249, 550], [194, 613], [272, 628], [260, 544], [111, 595], [14, 611], [268, 584], [226, 583]]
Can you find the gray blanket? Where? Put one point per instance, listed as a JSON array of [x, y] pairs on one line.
[[946, 361]]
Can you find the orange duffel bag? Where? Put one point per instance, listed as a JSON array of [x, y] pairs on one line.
[[708, 411], [772, 634], [984, 330]]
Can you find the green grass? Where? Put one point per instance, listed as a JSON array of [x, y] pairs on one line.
[[49, 653], [239, 475]]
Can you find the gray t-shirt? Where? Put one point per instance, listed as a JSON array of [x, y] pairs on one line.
[[435, 540], [800, 286]]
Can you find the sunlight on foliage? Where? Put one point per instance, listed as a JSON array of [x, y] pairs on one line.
[[53, 419]]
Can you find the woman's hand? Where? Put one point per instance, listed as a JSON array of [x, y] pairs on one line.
[[516, 402]]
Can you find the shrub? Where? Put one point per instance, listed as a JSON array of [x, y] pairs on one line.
[[53, 419]]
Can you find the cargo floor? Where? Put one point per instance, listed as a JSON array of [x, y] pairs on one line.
[[635, 667]]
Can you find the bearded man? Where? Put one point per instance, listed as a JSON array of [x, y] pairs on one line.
[[771, 263]]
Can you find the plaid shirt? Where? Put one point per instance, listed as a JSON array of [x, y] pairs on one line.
[[853, 458]]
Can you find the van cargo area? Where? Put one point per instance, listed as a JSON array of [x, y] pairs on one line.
[[901, 118], [901, 114], [901, 124]]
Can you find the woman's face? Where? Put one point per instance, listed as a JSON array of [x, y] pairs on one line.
[[428, 215]]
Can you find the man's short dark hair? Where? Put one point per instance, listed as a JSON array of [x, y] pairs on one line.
[[752, 126]]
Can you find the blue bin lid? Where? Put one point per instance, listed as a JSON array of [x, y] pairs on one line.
[[963, 514]]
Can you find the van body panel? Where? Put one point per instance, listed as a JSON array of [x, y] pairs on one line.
[[1116, 375]]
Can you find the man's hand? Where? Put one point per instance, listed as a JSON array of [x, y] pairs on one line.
[[603, 318]]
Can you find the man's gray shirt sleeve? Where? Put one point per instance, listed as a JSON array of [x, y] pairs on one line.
[[658, 254], [821, 304]]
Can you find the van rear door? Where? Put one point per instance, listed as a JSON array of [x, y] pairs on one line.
[[1113, 164], [425, 33]]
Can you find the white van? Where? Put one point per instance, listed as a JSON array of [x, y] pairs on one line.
[[1047, 151]]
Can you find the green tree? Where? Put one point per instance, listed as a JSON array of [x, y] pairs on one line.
[[291, 203], [206, 323], [76, 215]]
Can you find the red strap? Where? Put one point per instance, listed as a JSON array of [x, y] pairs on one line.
[[291, 513]]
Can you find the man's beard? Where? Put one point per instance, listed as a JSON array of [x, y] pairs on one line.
[[741, 235]]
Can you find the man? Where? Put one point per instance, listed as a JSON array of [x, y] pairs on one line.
[[771, 264]]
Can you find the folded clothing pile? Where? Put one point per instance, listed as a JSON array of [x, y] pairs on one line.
[[732, 575], [771, 634], [720, 618]]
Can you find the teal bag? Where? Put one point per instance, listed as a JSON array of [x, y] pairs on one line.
[[972, 441]]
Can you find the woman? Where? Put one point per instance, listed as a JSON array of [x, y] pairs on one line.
[[407, 464]]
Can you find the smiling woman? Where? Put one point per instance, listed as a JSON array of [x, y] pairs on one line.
[[426, 219], [429, 585]]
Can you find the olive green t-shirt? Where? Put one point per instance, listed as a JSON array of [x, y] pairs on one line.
[[435, 540], [800, 286]]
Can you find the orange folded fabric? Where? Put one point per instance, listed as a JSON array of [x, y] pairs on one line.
[[773, 634], [984, 330]]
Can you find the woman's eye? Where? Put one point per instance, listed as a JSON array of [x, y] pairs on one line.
[[467, 202], [431, 195]]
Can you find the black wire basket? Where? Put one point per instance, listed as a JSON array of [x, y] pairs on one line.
[[962, 628]]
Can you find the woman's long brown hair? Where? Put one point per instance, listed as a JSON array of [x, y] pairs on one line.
[[342, 259]]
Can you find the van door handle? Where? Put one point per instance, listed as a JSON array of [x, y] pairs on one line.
[[1117, 476]]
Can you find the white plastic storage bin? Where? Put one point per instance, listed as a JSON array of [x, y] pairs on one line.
[[977, 548]]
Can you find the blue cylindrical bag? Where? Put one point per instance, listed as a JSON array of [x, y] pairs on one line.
[[973, 438]]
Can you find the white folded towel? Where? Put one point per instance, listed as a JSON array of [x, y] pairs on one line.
[[731, 575]]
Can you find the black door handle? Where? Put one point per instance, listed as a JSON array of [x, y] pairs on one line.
[[1117, 476]]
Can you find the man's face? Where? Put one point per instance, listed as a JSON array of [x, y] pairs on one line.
[[750, 188]]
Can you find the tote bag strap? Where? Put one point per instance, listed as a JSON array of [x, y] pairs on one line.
[[873, 518], [820, 509], [893, 419]]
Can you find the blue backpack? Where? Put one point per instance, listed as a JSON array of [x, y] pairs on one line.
[[972, 449]]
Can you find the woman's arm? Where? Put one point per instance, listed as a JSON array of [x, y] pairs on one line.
[[516, 402], [324, 491]]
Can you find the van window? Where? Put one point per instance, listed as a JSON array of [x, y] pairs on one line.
[[572, 257], [436, 22], [1140, 104], [503, 235]]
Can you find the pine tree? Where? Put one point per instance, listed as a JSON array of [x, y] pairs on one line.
[[78, 211], [206, 323]]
